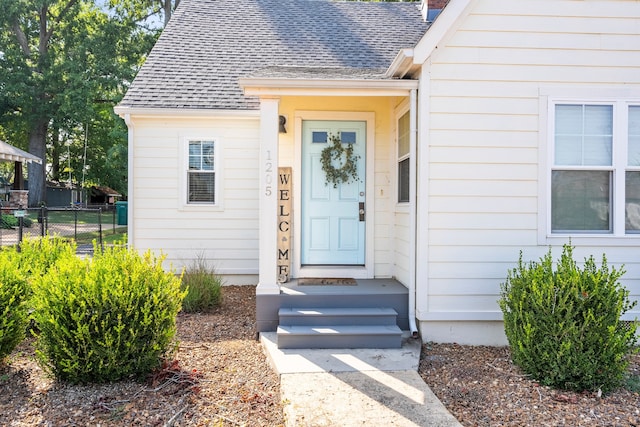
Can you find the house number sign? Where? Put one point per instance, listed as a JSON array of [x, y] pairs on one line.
[[268, 175], [284, 224]]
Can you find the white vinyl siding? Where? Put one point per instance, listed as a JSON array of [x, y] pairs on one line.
[[402, 228], [487, 141], [225, 234]]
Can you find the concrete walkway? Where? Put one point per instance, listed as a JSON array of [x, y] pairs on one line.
[[355, 387]]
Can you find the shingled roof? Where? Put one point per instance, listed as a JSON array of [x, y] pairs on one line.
[[209, 44]]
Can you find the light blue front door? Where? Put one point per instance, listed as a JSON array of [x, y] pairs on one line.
[[333, 218]]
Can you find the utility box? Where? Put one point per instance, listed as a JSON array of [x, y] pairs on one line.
[[121, 213]]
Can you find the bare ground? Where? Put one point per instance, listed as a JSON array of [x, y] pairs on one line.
[[221, 378]]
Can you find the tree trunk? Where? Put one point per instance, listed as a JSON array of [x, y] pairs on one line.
[[18, 180], [167, 11], [54, 172], [37, 147]]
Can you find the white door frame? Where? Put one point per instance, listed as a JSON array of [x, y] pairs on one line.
[[356, 272]]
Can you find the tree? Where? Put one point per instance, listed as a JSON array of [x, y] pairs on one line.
[[64, 64], [168, 8], [142, 10]]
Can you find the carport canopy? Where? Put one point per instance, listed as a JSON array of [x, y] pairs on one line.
[[10, 153]]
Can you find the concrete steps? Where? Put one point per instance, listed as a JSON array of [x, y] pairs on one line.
[[338, 327], [337, 316]]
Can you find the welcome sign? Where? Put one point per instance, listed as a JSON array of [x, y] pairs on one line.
[[284, 224]]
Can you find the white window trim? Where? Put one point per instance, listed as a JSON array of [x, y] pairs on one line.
[[183, 167], [620, 99], [400, 111]]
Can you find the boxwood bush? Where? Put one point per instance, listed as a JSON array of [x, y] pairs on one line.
[[106, 318], [18, 265], [563, 324], [36, 255], [13, 309]]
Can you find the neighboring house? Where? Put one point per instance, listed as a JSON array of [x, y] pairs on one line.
[[503, 126], [64, 194], [16, 194], [103, 195]]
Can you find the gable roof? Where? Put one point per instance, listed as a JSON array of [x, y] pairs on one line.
[[210, 44]]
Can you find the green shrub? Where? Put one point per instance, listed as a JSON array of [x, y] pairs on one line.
[[13, 310], [203, 286], [32, 259], [106, 318], [10, 221], [564, 325], [37, 255]]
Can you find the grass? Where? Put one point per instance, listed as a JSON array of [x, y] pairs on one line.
[[204, 285], [83, 217], [118, 235], [632, 383], [109, 237]]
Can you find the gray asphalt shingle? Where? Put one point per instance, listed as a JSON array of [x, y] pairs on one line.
[[209, 44]]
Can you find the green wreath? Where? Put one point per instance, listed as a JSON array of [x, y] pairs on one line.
[[334, 151]]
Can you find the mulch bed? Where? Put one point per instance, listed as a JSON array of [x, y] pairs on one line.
[[220, 377]]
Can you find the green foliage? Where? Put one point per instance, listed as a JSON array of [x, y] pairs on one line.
[[38, 255], [203, 286], [59, 86], [563, 324], [13, 311], [334, 152], [632, 383], [10, 221], [106, 318]]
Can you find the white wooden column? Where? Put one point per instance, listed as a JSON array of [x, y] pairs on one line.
[[268, 233]]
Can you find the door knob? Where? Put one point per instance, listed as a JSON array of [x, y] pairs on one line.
[[361, 211]]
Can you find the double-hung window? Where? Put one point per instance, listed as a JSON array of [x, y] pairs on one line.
[[595, 171], [632, 174], [201, 174], [403, 158]]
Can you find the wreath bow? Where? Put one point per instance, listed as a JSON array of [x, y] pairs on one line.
[[334, 152]]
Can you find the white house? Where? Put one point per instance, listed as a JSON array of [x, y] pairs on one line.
[[497, 128]]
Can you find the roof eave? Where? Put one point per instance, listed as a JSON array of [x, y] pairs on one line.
[[12, 158], [403, 65], [447, 23], [9, 153], [322, 87], [123, 110]]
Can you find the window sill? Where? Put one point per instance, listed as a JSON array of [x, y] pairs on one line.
[[591, 239], [196, 207]]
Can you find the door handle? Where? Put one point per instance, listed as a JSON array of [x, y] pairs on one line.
[[361, 211]]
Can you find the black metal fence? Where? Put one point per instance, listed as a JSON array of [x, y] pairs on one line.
[[81, 224]]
